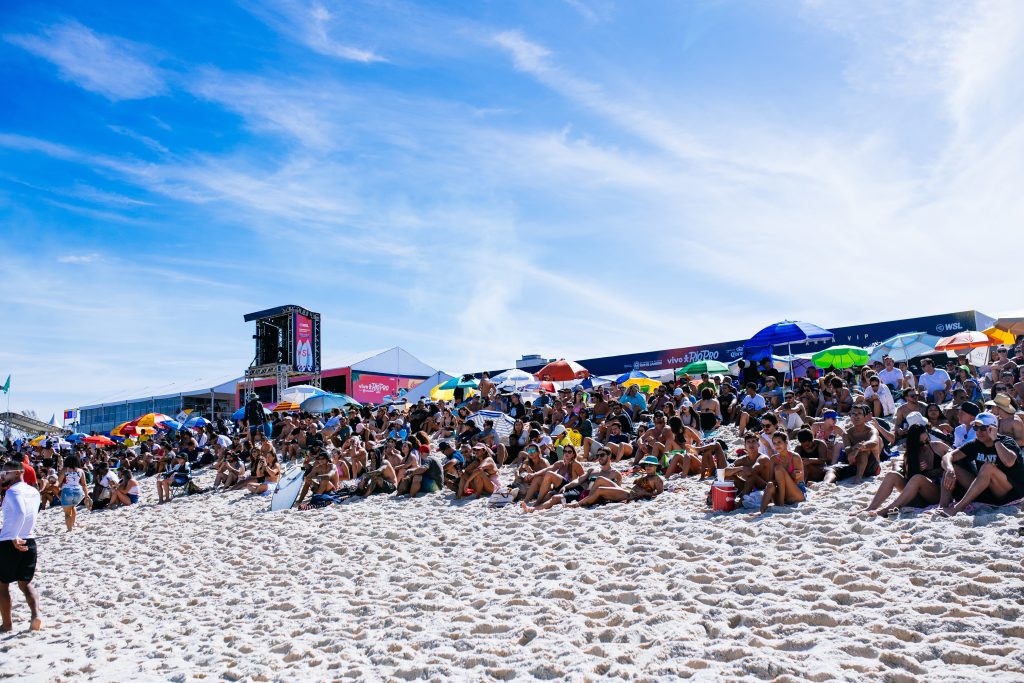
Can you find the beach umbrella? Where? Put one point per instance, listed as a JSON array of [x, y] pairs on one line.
[[632, 374], [787, 332], [195, 422], [841, 357], [541, 386], [282, 407], [712, 367], [513, 379], [38, 440], [168, 425], [98, 440], [116, 431], [999, 337], [150, 419], [637, 378], [1011, 325], [324, 403], [962, 341], [240, 413], [562, 370], [223, 440], [903, 347], [446, 390], [300, 392], [77, 437], [593, 381], [502, 423]]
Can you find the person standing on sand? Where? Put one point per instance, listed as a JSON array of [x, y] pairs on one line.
[[18, 543]]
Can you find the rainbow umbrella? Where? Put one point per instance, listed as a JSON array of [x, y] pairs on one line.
[[151, 419], [841, 357]]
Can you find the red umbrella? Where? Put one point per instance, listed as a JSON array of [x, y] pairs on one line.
[[562, 371], [98, 440], [962, 341]]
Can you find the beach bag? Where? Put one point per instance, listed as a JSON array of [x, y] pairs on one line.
[[501, 497], [752, 501]]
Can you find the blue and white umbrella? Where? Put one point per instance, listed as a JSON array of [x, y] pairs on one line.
[[903, 347], [325, 403], [513, 379], [503, 423]]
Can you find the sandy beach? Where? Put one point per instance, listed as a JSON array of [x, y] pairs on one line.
[[215, 587]]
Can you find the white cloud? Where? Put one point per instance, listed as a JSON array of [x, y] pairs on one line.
[[78, 258], [113, 67], [312, 24]]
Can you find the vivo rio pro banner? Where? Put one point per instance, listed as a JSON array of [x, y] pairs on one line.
[[304, 359], [370, 388]]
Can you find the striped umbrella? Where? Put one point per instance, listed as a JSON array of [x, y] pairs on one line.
[[502, 423], [962, 341], [287, 407]]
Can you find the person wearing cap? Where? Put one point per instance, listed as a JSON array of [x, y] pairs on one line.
[[17, 543], [863, 447], [829, 431], [1010, 423], [989, 468], [964, 431]]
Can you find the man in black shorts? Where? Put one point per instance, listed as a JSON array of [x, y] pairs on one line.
[[990, 467], [18, 543], [863, 447]]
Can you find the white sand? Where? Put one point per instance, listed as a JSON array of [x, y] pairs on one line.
[[215, 587]]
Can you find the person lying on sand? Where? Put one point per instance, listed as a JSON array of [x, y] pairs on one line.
[[648, 485], [579, 488], [920, 478], [863, 447], [989, 467], [551, 479]]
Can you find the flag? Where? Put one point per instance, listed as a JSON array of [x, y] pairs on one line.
[[7, 385], [69, 415]]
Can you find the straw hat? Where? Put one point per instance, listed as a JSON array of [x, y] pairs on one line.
[[1003, 402]]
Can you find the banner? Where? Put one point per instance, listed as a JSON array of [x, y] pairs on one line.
[[369, 388], [304, 356], [70, 415]]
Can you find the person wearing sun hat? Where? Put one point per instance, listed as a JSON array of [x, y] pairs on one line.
[[989, 468], [1010, 424]]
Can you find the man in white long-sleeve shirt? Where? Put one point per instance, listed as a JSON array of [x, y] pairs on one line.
[[17, 542]]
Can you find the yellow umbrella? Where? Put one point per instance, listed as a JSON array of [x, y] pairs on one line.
[[999, 336], [645, 384], [439, 394], [116, 431], [287, 407], [150, 419], [38, 440]]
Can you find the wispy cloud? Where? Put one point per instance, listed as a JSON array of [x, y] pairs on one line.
[[314, 25], [78, 258], [110, 66]]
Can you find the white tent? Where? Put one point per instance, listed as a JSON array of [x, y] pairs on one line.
[[422, 390]]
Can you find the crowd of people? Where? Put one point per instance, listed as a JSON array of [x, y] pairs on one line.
[[959, 427]]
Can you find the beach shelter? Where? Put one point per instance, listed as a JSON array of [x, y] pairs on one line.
[[999, 337], [903, 347], [513, 379], [712, 367], [503, 423], [562, 370], [787, 332], [1012, 325], [840, 357], [422, 390], [325, 403], [963, 341]]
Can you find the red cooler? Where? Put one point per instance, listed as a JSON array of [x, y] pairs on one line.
[[723, 496]]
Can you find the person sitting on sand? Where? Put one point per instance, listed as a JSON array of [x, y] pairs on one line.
[[1010, 422], [127, 490], [815, 455], [934, 384], [879, 397], [786, 485], [964, 430], [267, 474], [792, 413], [552, 479], [427, 478], [648, 485], [480, 477], [616, 441], [709, 410], [322, 477], [992, 465], [751, 406], [829, 431], [862, 447], [920, 478], [579, 488], [230, 471]]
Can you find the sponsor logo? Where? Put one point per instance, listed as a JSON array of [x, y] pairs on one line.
[[949, 327]]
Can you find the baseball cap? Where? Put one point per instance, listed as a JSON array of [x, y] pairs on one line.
[[833, 414], [985, 419], [558, 430], [970, 408]]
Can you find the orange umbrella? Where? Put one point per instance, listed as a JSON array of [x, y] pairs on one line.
[[287, 407], [562, 371], [962, 341], [98, 440], [999, 336]]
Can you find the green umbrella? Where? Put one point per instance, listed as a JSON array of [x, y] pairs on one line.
[[841, 357], [712, 367]]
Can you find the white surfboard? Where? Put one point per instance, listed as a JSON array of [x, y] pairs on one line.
[[287, 490]]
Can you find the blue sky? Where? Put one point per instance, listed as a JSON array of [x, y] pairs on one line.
[[474, 181]]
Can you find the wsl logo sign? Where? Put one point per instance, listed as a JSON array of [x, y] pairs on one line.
[[947, 328]]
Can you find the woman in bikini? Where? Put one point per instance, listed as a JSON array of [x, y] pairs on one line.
[[267, 473], [710, 410], [648, 485], [551, 479], [580, 487], [920, 478], [786, 485], [483, 479]]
